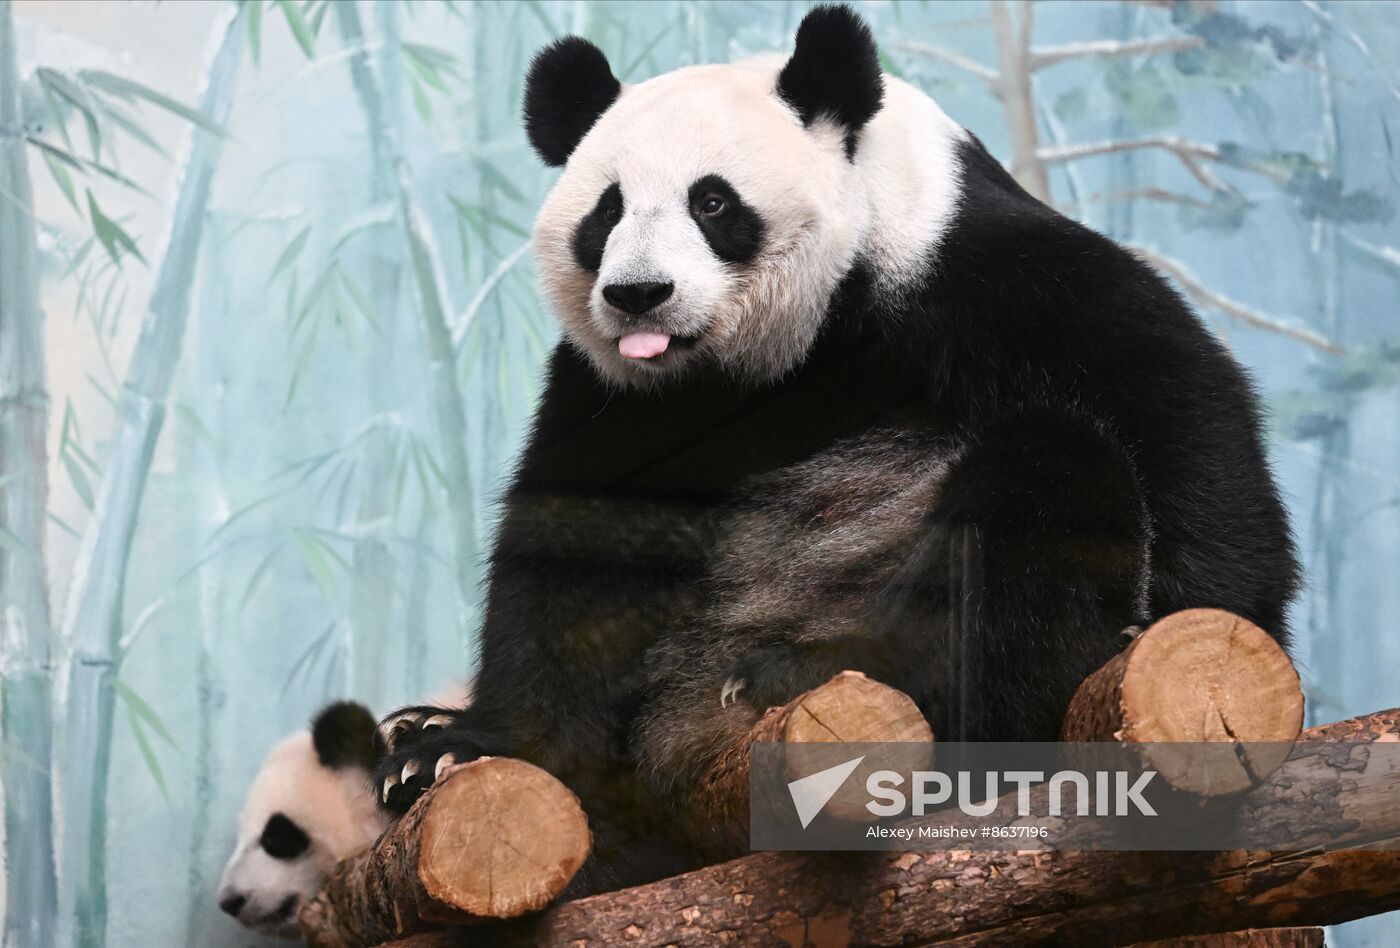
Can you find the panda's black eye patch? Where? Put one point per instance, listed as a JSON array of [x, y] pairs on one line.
[[283, 839], [591, 237], [733, 230]]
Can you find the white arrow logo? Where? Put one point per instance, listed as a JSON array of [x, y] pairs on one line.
[[811, 793]]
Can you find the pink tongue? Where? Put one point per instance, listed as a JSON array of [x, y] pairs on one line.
[[643, 345]]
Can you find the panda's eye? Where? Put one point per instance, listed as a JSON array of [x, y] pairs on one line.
[[283, 839], [611, 215], [712, 205]]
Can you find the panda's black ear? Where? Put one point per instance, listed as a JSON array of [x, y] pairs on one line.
[[834, 71], [345, 735], [569, 85]]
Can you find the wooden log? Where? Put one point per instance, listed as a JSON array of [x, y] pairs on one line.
[[492, 839], [1249, 938], [1339, 796], [848, 708], [1197, 675]]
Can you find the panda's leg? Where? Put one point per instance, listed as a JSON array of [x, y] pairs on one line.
[[1034, 563]]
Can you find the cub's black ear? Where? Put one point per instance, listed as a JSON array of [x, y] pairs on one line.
[[569, 85], [345, 735], [834, 71]]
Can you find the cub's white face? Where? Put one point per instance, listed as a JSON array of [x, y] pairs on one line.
[[703, 188], [300, 818]]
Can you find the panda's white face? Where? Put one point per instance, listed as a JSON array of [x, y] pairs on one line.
[[300, 818], [700, 220], [709, 214]]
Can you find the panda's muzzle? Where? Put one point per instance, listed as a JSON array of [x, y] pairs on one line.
[[637, 302]]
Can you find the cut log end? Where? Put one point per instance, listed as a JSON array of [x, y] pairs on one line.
[[502, 838], [494, 838], [852, 708], [1202, 675]]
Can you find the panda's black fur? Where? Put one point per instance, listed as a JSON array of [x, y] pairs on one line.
[[967, 491]]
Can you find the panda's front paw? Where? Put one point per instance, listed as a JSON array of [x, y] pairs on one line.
[[422, 743], [407, 726]]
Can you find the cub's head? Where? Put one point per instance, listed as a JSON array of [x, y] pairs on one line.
[[310, 806], [708, 214]]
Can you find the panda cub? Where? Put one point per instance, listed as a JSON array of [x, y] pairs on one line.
[[834, 392], [306, 810]]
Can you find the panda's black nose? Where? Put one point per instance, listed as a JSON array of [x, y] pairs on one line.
[[233, 903], [637, 298]]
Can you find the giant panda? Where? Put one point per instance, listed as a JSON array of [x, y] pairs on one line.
[[308, 807], [834, 392]]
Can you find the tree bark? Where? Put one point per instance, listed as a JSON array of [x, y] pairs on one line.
[[1249, 938], [497, 838], [1329, 795], [1197, 675], [25, 660], [93, 619]]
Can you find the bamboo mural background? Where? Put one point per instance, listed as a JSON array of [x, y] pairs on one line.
[[268, 338]]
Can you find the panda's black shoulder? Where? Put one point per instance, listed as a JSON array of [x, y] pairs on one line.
[[1016, 275], [1006, 241]]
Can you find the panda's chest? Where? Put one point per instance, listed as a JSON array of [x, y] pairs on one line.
[[815, 542]]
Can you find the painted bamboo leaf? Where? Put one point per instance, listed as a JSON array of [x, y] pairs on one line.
[[112, 236]]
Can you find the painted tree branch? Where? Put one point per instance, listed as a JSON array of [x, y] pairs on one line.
[[483, 293], [1046, 56], [1381, 253], [1190, 154], [92, 621], [1232, 308], [1013, 43], [25, 701], [492, 840], [1328, 795], [985, 73]]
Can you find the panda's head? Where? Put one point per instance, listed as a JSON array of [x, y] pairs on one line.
[[709, 214], [310, 806]]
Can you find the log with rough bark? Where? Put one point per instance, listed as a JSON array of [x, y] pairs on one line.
[[850, 708], [1249, 938], [1334, 795], [493, 839], [1197, 675]]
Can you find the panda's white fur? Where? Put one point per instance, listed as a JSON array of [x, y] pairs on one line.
[[334, 808], [820, 211]]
